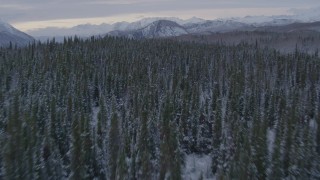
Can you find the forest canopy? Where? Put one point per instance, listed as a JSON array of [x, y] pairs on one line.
[[115, 108]]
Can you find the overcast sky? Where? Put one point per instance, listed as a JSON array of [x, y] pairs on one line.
[[32, 14]]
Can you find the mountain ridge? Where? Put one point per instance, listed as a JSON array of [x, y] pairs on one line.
[[87, 30], [156, 29], [12, 36], [193, 25]]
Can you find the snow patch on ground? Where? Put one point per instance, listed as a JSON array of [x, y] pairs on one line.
[[197, 165], [313, 124], [271, 134], [95, 111]]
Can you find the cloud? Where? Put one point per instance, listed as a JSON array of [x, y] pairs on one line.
[[14, 7], [67, 23], [121, 2]]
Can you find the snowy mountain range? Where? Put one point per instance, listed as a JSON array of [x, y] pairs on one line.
[[170, 26], [155, 27], [87, 30], [166, 28], [10, 34]]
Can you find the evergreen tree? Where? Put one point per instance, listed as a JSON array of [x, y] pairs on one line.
[[114, 140], [170, 157]]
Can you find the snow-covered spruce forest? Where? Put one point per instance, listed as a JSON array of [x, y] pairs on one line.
[[114, 108]]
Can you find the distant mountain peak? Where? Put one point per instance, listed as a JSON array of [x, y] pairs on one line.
[[163, 23], [156, 29], [10, 34], [5, 27], [164, 28]]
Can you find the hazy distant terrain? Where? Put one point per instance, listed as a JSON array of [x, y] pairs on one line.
[[286, 42]]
